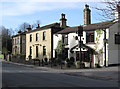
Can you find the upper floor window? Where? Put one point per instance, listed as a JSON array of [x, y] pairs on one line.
[[117, 38], [89, 37], [44, 50], [15, 41], [23, 41], [18, 40], [44, 35], [37, 36], [65, 40], [30, 37]]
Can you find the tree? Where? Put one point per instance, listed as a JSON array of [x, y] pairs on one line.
[[6, 40], [60, 49], [23, 26], [108, 11], [36, 24]]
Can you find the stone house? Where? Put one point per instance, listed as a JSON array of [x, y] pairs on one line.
[[39, 43], [19, 43]]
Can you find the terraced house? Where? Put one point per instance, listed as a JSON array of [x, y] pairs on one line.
[[19, 43], [39, 43]]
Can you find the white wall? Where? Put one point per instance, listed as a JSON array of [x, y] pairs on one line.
[[56, 38], [114, 51]]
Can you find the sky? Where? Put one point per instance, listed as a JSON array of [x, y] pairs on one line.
[[16, 12]]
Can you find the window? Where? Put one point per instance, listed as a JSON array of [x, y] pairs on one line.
[[30, 37], [44, 50], [44, 35], [18, 40], [37, 36], [18, 50], [36, 51], [23, 41], [30, 50], [66, 39], [117, 38], [15, 41], [89, 37]]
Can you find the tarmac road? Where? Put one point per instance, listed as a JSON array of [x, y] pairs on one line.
[[14, 75]]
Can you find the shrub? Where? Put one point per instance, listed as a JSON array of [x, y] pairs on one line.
[[67, 59], [80, 64]]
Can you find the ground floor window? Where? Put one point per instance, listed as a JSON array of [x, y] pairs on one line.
[[36, 51], [85, 57], [30, 50], [44, 50]]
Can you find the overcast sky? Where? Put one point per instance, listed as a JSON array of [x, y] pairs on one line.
[[16, 12]]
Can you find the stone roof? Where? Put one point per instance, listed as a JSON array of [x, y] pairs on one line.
[[53, 25], [22, 33], [90, 27]]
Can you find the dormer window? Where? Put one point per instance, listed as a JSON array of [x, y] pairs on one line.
[[90, 37]]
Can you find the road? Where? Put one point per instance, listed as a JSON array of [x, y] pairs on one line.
[[21, 76]]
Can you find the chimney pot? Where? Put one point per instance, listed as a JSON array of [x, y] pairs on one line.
[[28, 28], [63, 21]]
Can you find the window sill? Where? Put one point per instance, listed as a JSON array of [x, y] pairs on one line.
[[91, 43], [44, 40]]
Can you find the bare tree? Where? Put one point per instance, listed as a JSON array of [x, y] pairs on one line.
[[36, 24], [108, 11], [23, 26]]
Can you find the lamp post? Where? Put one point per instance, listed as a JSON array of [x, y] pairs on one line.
[[80, 33]]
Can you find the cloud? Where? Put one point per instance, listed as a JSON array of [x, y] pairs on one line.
[[22, 8], [51, 0]]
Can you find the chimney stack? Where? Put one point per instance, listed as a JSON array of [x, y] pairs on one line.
[[63, 21], [37, 26], [87, 15], [117, 13], [29, 28], [19, 31]]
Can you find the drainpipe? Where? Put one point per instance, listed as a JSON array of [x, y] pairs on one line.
[[104, 47]]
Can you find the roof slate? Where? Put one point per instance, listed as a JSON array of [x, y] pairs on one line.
[[45, 27], [22, 33], [90, 27]]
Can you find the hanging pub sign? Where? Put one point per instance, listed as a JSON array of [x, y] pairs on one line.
[[80, 31]]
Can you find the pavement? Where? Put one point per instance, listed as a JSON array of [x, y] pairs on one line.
[[105, 73]]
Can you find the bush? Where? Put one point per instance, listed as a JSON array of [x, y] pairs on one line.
[[80, 64], [72, 59], [46, 60], [97, 65], [67, 59]]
